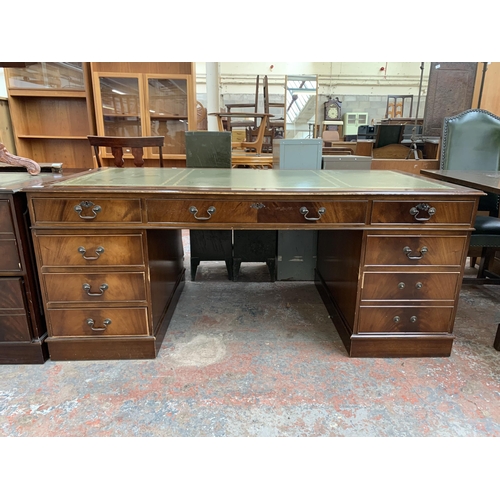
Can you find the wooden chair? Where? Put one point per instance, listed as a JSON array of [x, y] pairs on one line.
[[471, 141], [330, 136], [274, 125], [255, 145], [248, 106], [118, 144], [209, 149]]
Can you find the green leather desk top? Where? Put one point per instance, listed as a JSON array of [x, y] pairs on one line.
[[238, 180]]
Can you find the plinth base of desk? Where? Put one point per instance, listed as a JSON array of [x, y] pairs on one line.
[[102, 349], [401, 346], [383, 345], [24, 353]]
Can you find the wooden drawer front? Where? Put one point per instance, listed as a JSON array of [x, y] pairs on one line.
[[13, 320], [414, 250], [6, 225], [410, 286], [317, 212], [181, 211], [87, 210], [446, 212], [409, 319], [10, 260], [14, 327], [86, 287], [85, 250], [348, 212], [11, 293], [75, 322]]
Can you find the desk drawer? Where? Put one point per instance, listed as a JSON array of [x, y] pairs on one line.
[[410, 286], [200, 211], [91, 250], [98, 322], [13, 319], [63, 210], [314, 212], [423, 212], [403, 319], [415, 250], [6, 225], [87, 287], [10, 261], [263, 212]]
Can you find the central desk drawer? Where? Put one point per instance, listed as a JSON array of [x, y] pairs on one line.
[[63, 210], [415, 250], [403, 319], [91, 250], [98, 322], [87, 287], [263, 212], [200, 211]]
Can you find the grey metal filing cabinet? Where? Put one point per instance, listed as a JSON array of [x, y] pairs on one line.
[[297, 154], [297, 250]]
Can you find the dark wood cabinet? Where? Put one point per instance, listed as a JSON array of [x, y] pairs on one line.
[[22, 323]]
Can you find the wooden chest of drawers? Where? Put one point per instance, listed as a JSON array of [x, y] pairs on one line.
[[22, 323]]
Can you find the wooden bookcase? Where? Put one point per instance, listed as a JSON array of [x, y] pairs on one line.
[[51, 107], [146, 99]]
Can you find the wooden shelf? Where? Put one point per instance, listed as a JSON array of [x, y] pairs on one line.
[[57, 137], [77, 94], [168, 117], [51, 124], [121, 115]]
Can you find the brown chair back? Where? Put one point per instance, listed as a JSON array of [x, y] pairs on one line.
[[117, 144]]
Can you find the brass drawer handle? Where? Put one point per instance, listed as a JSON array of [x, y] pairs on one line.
[[194, 211], [87, 288], [304, 212], [408, 251], [87, 204], [422, 207], [106, 323], [98, 251]]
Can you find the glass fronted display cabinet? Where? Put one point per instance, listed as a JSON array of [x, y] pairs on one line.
[[135, 105]]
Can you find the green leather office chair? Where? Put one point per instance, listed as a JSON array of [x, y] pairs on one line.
[[471, 141], [207, 149]]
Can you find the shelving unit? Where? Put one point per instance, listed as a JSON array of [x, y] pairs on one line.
[[51, 109], [146, 99]]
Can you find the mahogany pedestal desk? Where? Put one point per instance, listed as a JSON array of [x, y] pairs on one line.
[[391, 251]]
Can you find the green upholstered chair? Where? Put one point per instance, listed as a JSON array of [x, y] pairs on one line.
[[471, 141], [208, 149]]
